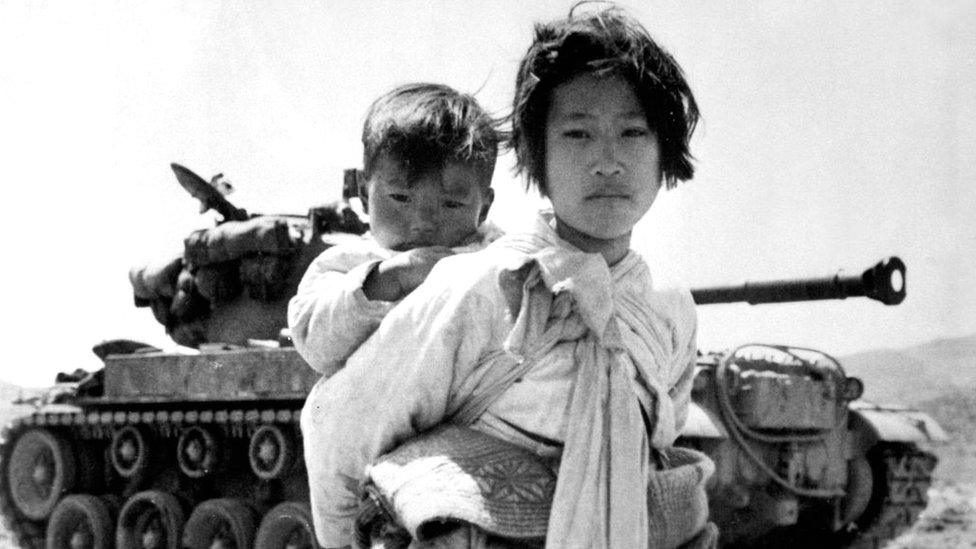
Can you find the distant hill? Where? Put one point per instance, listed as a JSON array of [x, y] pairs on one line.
[[916, 374]]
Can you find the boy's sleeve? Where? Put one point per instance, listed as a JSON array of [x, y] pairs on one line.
[[683, 370], [330, 316], [397, 384]]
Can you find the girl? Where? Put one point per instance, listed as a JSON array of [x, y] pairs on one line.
[[552, 342]]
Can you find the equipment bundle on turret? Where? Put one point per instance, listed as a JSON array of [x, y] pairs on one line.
[[233, 281]]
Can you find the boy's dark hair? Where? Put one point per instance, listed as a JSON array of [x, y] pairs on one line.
[[607, 42], [422, 126]]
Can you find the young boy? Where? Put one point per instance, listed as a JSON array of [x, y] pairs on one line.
[[554, 340], [428, 156]]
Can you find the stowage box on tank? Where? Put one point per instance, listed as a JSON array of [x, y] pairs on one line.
[[168, 450]]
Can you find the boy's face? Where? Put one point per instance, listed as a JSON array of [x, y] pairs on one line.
[[602, 161], [441, 208]]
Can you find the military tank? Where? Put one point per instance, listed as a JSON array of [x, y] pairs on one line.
[[800, 460], [166, 449], [185, 449]]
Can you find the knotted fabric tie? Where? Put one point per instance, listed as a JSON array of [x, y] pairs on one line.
[[601, 495]]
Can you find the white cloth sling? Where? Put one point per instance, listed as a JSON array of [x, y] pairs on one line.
[[603, 495]]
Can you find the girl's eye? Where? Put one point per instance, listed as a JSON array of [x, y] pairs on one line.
[[576, 134], [636, 132], [396, 197]]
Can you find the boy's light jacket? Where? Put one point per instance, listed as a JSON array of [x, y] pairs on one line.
[[626, 348], [330, 316]]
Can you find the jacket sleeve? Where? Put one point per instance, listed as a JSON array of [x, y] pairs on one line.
[[330, 315], [683, 369], [397, 384]]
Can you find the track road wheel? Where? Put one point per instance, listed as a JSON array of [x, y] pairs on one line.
[[220, 524], [150, 520], [80, 521], [271, 452], [288, 525], [130, 452], [40, 469], [198, 452]]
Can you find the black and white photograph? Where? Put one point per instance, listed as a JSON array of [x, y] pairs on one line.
[[434, 274]]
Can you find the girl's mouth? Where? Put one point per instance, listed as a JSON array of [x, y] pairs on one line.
[[610, 192]]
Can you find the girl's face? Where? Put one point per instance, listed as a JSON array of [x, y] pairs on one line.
[[602, 161]]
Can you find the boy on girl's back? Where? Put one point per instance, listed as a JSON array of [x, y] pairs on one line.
[[429, 153], [553, 341]]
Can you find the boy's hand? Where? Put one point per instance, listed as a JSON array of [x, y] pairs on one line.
[[396, 277]]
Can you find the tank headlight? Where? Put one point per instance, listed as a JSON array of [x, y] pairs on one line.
[[853, 388]]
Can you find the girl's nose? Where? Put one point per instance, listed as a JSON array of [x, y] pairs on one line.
[[608, 163]]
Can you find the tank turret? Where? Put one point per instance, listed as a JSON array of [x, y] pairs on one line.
[[884, 282]]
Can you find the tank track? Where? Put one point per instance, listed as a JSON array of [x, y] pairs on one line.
[[238, 422], [906, 473]]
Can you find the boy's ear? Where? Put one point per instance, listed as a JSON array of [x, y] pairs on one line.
[[488, 197], [361, 183]]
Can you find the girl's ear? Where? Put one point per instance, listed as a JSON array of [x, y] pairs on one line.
[[488, 196], [363, 187]]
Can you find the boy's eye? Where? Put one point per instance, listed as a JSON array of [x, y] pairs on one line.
[[453, 204], [397, 197]]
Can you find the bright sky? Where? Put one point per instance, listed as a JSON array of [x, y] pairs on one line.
[[834, 134]]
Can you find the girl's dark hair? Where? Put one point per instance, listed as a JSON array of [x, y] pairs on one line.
[[608, 42], [422, 126]]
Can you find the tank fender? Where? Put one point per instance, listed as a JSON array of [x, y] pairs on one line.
[[895, 424], [703, 423]]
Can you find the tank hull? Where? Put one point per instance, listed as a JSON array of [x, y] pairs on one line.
[[190, 429]]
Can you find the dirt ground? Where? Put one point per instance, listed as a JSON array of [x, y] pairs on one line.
[[949, 521]]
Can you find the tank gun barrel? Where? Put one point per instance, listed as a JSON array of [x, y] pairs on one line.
[[884, 282]]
